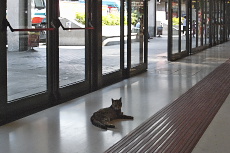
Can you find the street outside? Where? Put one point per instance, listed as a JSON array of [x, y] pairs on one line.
[[27, 69]]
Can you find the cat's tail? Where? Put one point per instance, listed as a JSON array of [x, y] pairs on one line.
[[97, 123]]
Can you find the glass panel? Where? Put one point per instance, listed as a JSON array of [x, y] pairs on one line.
[[218, 20], [26, 53], [175, 27], [215, 18], [227, 19], [207, 22], [125, 32], [221, 20], [137, 35], [194, 24], [212, 20], [200, 22], [110, 36], [72, 42], [184, 19], [202, 16]]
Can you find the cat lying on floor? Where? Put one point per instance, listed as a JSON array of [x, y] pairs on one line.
[[102, 117]]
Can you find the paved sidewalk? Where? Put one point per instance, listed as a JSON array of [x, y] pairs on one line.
[[27, 69]]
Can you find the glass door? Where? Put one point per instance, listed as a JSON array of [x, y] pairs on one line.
[[178, 29], [214, 21], [53, 51], [24, 58], [112, 40], [74, 42], [137, 43], [194, 24], [206, 21], [111, 35], [26, 48], [124, 39], [199, 24], [137, 35], [71, 42]]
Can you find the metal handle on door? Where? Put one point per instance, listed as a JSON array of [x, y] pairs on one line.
[[5, 24]]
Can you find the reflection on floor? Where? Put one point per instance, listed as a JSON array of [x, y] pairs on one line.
[[67, 129]]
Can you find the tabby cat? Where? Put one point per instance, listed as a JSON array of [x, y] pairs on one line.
[[102, 117]]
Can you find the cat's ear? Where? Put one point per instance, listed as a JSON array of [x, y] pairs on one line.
[[120, 99], [112, 99]]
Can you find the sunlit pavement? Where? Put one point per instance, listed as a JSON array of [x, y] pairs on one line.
[[27, 69]]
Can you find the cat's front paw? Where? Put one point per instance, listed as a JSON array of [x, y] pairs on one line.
[[127, 117], [131, 117]]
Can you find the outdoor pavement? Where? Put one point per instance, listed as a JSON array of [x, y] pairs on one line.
[[27, 69]]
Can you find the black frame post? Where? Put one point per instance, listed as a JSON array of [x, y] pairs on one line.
[[53, 52], [96, 43], [3, 62]]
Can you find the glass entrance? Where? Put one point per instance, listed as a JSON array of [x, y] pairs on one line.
[[74, 47], [124, 40], [178, 29], [137, 35], [54, 51], [72, 38], [111, 35], [26, 48], [199, 24], [137, 40], [189, 27]]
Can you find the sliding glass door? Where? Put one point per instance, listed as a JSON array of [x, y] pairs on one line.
[[74, 47], [178, 29], [54, 51], [26, 49], [194, 26], [137, 40]]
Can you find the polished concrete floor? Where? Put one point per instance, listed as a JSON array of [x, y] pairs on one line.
[[66, 128]]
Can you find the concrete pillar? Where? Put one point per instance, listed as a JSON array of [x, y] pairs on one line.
[[17, 15]]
